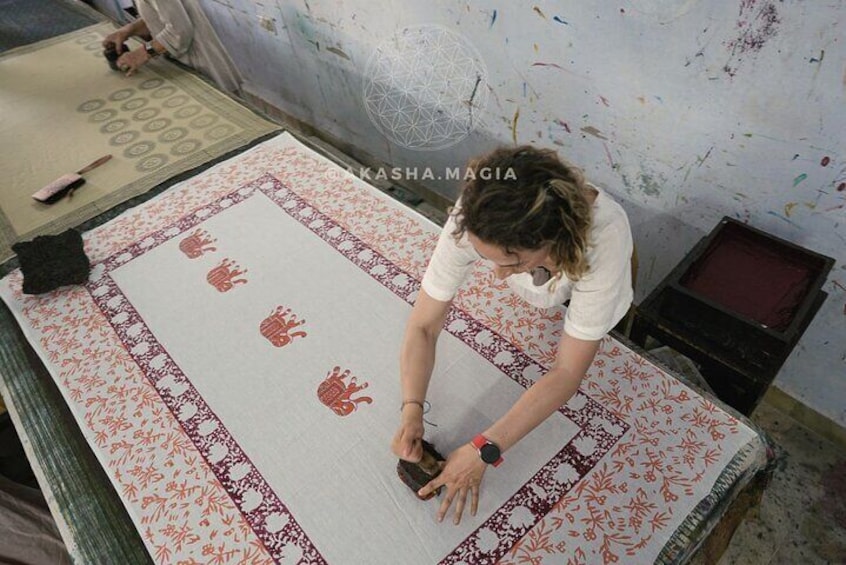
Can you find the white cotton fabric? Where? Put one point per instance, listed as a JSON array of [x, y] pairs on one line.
[[325, 468], [185, 31], [335, 475], [598, 300]]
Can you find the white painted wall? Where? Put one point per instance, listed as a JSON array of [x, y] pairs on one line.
[[685, 110]]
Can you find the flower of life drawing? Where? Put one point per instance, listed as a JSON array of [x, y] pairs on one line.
[[425, 87]]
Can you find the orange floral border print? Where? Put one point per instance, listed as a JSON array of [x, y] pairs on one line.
[[599, 428]]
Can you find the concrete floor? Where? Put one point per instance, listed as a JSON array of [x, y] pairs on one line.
[[802, 517]]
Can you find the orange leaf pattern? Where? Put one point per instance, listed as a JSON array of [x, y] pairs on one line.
[[647, 451]]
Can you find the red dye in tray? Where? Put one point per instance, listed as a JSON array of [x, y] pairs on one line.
[[753, 276]]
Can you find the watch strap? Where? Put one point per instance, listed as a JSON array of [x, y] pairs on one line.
[[481, 441], [151, 51]]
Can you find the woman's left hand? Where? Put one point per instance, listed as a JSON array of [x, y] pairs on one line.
[[462, 475], [131, 61]]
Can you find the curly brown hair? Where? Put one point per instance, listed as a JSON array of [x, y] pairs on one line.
[[541, 201]]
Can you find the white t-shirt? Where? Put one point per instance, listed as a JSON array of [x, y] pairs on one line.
[[187, 34], [598, 300]]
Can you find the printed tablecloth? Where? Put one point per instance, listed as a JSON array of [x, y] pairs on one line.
[[233, 362], [62, 107]]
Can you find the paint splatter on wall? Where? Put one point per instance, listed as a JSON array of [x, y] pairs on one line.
[[758, 22], [608, 85]]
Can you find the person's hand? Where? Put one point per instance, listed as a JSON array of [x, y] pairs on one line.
[[407, 443], [116, 39], [462, 475], [131, 61]]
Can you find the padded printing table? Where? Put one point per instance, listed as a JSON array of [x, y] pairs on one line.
[[150, 430]]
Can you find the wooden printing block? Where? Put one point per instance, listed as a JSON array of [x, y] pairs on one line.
[[417, 475]]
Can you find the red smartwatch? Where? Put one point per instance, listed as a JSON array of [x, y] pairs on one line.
[[488, 450]]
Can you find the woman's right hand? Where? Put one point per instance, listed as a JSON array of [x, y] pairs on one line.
[[408, 440], [117, 39]]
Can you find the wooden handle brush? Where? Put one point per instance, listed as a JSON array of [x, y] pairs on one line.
[[66, 184]]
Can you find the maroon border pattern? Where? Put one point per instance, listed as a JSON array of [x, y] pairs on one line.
[[273, 523], [269, 518], [599, 430]]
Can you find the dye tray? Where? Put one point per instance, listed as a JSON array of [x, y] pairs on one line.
[[745, 292]]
